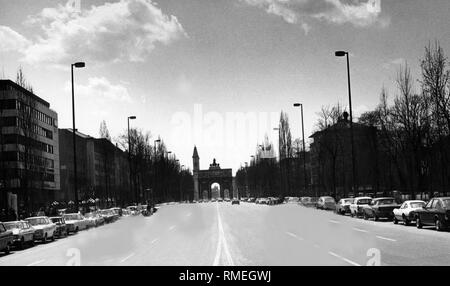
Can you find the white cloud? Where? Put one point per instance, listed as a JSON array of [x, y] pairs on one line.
[[11, 41], [360, 13], [100, 89], [127, 30]]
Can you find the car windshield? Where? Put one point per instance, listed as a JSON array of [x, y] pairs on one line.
[[329, 200], [386, 202], [417, 204], [364, 201], [349, 201], [12, 225], [36, 221], [71, 217], [55, 220], [90, 215], [446, 203]]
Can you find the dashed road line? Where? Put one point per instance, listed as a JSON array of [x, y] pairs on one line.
[[172, 227], [155, 240], [343, 258], [360, 230], [386, 238], [126, 258], [36, 262], [294, 235], [222, 243], [334, 221]]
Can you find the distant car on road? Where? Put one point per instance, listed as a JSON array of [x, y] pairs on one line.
[[235, 202], [291, 200], [23, 233], [75, 222], [44, 228], [356, 208], [109, 216], [308, 202], [61, 227], [6, 239], [343, 206], [133, 210], [380, 208], [436, 212], [326, 203], [407, 211], [220, 200], [94, 219], [251, 200]]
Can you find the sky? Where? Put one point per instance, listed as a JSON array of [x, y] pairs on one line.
[[214, 74]]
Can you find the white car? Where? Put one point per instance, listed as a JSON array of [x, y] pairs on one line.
[[406, 212], [43, 228], [75, 222], [356, 208]]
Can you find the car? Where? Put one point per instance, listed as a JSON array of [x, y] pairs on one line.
[[356, 208], [75, 222], [6, 239], [251, 200], [343, 206], [44, 228], [118, 211], [380, 208], [23, 233], [109, 215], [326, 203], [61, 227], [235, 202], [227, 200], [94, 219], [214, 200], [309, 202], [436, 212], [220, 200], [133, 210], [407, 211], [291, 200]]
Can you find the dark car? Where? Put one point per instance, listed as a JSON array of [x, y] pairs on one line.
[[6, 239], [380, 208], [23, 233], [235, 202], [436, 212], [61, 227]]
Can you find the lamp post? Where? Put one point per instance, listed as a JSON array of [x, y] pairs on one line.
[[155, 166], [279, 155], [343, 54], [75, 183], [181, 182], [129, 157], [304, 146]]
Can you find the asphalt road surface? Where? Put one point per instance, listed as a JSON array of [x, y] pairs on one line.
[[221, 234]]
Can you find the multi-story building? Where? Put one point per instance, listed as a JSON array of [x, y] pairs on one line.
[[102, 169], [29, 152]]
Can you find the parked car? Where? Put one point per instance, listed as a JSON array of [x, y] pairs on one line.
[[343, 206], [133, 210], [125, 212], [109, 216], [407, 211], [356, 208], [44, 228], [75, 222], [6, 239], [118, 211], [252, 200], [309, 202], [61, 227], [291, 200], [94, 219], [436, 212], [326, 203], [220, 200], [23, 233], [380, 208], [235, 202]]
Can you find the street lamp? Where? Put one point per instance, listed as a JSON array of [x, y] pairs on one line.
[[76, 65], [304, 147], [343, 54], [129, 156]]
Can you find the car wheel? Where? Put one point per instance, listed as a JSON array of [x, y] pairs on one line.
[[7, 249], [406, 222], [395, 220], [44, 240], [32, 242], [76, 229], [53, 237], [419, 223], [438, 225], [366, 216], [376, 218], [22, 243]]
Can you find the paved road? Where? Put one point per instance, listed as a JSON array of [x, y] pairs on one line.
[[246, 234]]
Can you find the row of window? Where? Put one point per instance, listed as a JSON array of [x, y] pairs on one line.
[[14, 156], [18, 105], [21, 140], [18, 122], [31, 175]]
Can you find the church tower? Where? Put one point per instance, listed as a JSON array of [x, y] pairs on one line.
[[196, 161]]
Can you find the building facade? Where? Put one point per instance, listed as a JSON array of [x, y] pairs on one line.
[[102, 169], [29, 149]]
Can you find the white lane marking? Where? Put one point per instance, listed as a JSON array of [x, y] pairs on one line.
[[172, 227], [294, 235], [343, 258], [386, 238], [155, 240], [360, 230], [334, 221], [222, 243], [126, 258], [36, 262]]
